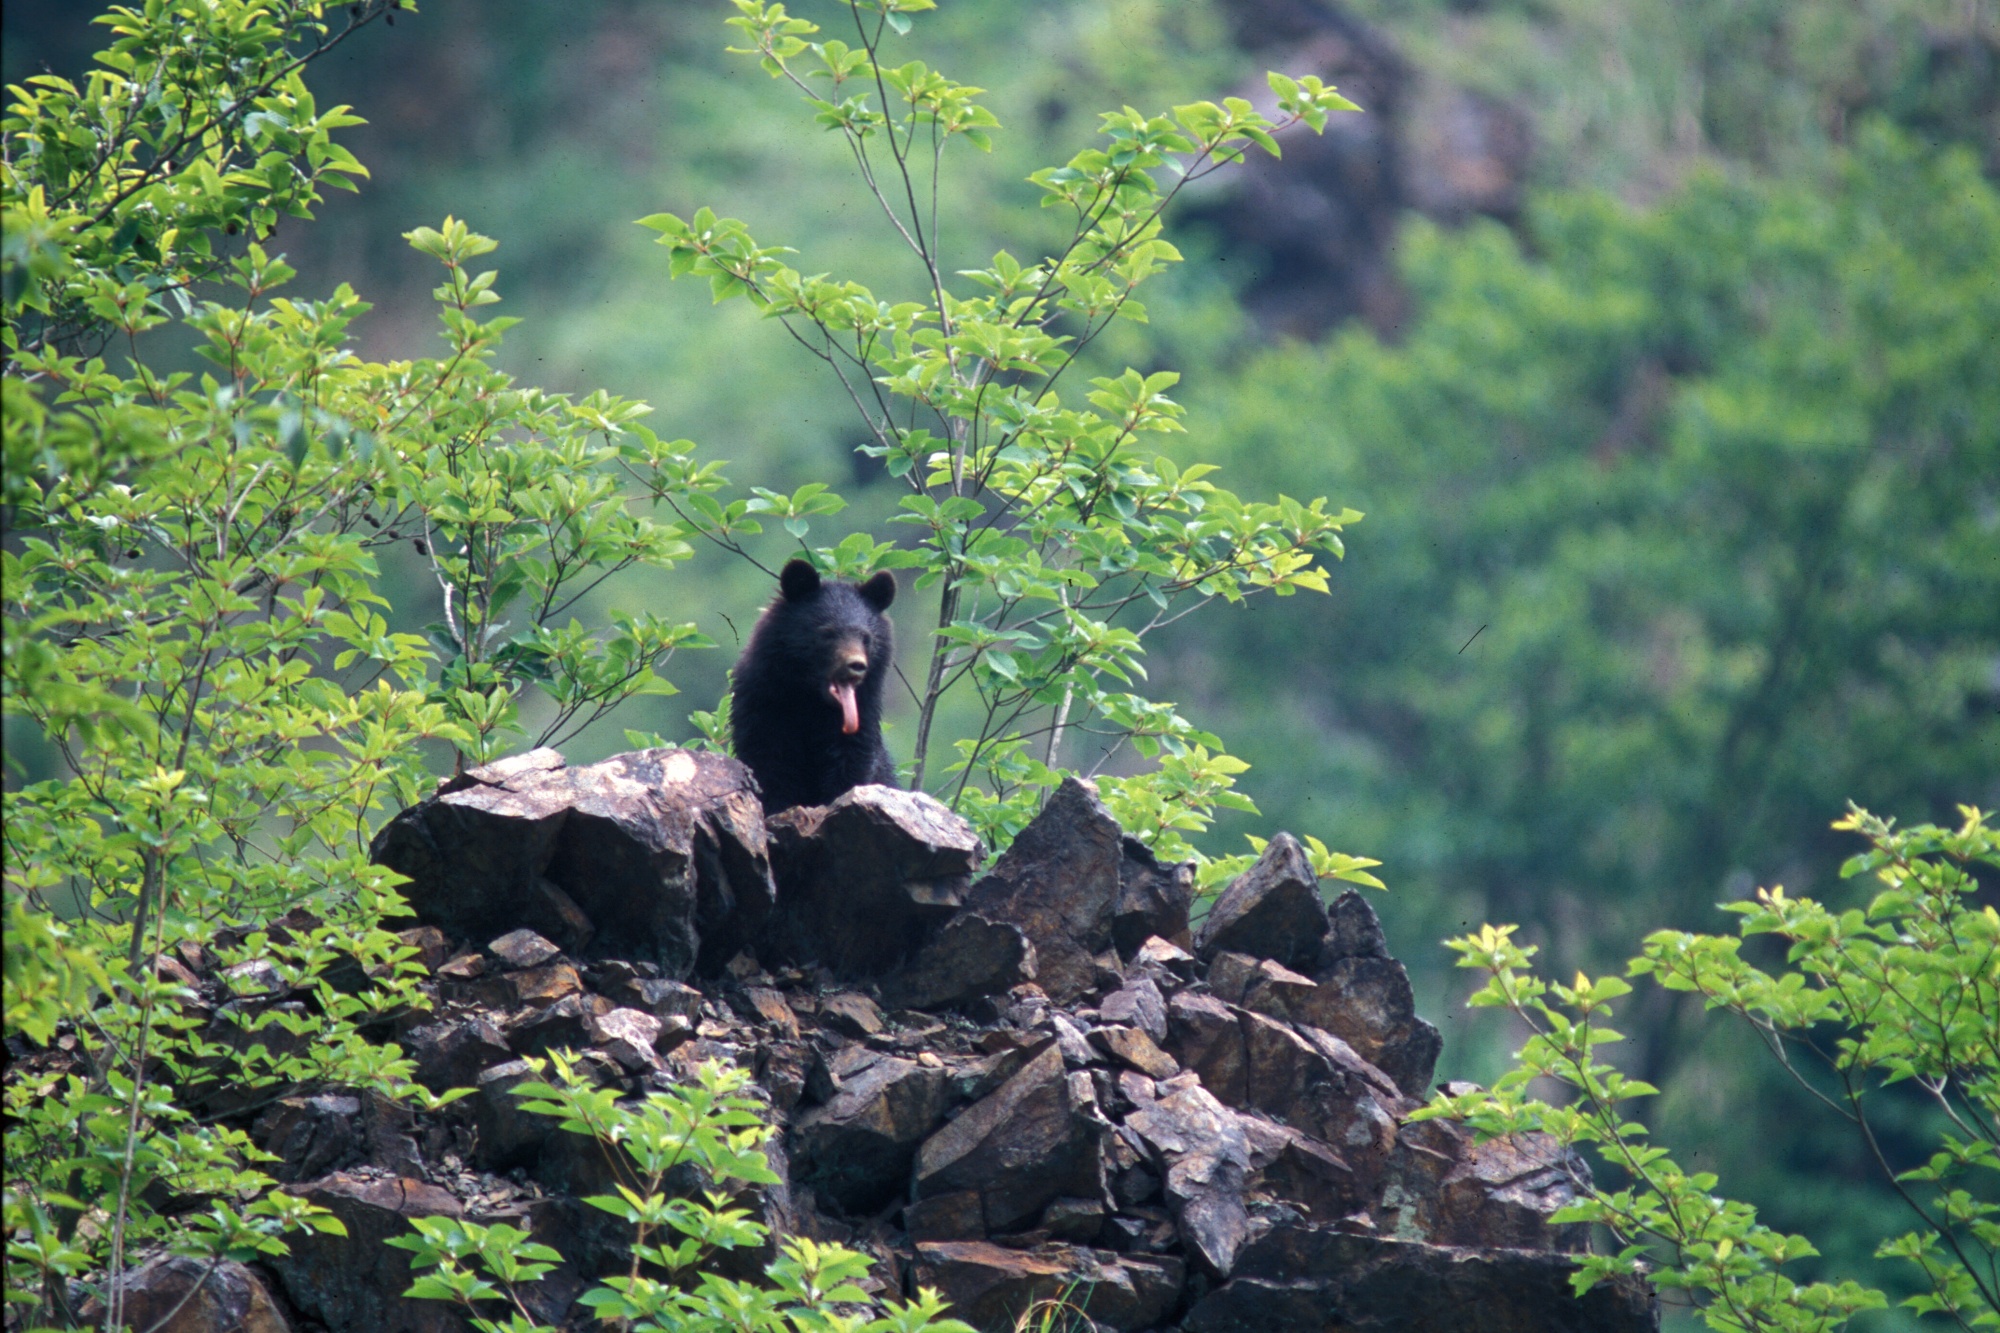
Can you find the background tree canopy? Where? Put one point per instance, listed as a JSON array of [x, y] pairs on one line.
[[1658, 341]]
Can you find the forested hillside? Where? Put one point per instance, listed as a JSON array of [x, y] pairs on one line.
[[1658, 342]]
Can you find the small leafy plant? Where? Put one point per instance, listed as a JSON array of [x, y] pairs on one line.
[[1902, 991], [710, 1124]]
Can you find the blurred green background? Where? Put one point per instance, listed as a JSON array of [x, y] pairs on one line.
[[1658, 339]]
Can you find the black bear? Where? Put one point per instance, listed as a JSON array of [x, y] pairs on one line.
[[806, 711]]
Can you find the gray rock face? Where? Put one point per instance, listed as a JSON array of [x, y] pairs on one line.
[[1059, 883], [658, 854], [357, 1281], [1153, 899], [175, 1294], [1029, 1141], [970, 958], [865, 881], [856, 1150], [1272, 910], [1307, 1279], [1163, 1139]]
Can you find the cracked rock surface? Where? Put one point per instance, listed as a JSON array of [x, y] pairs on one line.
[[1037, 1082]]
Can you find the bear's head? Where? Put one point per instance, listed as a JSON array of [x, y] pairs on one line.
[[835, 634]]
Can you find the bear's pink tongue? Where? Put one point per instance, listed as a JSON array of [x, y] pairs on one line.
[[850, 713]]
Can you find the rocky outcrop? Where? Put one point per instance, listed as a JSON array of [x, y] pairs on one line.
[[997, 1085], [868, 878], [1319, 229], [172, 1293], [657, 855]]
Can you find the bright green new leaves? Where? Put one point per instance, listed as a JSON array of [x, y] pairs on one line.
[[1904, 990], [196, 125], [712, 1125], [195, 631], [1056, 536]]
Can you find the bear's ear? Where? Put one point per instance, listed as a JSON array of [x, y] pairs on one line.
[[880, 591], [798, 580]]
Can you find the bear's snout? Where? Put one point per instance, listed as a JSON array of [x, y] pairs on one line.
[[850, 663]]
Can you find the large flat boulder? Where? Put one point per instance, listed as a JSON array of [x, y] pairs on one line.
[[866, 881], [856, 1149], [657, 855], [1033, 1139]]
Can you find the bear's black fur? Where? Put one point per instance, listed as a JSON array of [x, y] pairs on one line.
[[806, 711]]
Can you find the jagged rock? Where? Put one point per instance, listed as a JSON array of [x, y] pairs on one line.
[[172, 1293], [1059, 883], [974, 1079], [310, 1135], [1165, 963], [1074, 1220], [1029, 1141], [522, 948], [1070, 1040], [1304, 1077], [969, 958], [1153, 899], [770, 1007], [1207, 1158], [564, 1025], [866, 880], [664, 1000], [355, 1281], [991, 1286], [1272, 910], [1303, 1172], [657, 854], [1236, 1111], [1307, 1279], [1264, 987], [1137, 1004], [389, 1136], [954, 1216], [452, 1053], [508, 1136], [1353, 930], [784, 1068], [627, 1036], [430, 943], [467, 966], [1144, 1230], [851, 1014], [1132, 1047], [542, 985], [857, 1148], [1364, 998], [1445, 1188]]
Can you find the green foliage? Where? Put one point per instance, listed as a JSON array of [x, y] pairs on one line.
[[194, 626], [197, 125], [711, 1125], [197, 627], [1056, 540], [1680, 530], [1904, 991]]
